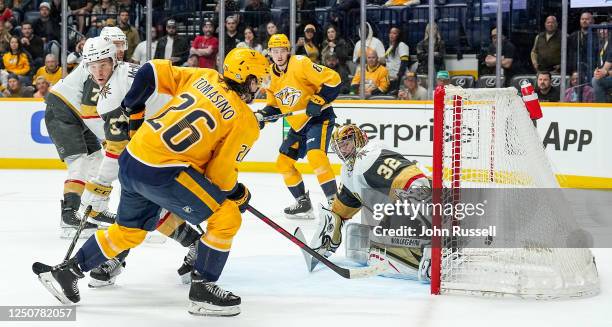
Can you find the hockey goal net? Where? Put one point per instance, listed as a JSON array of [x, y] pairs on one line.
[[486, 145]]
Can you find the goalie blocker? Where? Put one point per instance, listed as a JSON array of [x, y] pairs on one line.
[[371, 168]]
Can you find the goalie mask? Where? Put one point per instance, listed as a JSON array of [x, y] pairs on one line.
[[347, 141]]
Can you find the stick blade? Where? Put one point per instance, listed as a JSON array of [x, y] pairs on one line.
[[311, 262]]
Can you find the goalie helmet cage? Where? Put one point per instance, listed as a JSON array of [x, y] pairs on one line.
[[483, 138]]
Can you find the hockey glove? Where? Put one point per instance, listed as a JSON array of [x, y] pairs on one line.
[[241, 196], [96, 195], [314, 106], [259, 115]]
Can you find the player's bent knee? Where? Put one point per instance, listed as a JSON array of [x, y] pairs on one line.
[[284, 164], [222, 227], [320, 164], [117, 238]]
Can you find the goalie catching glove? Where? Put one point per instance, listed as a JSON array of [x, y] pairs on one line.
[[96, 195]]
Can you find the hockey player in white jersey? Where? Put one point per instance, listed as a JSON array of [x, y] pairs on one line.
[[372, 173], [115, 79], [116, 35], [73, 125]]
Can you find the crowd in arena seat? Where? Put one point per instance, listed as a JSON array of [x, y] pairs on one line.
[[397, 43]]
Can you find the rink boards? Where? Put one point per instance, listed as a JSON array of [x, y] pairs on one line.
[[576, 136]]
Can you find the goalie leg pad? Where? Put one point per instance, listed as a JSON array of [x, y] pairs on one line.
[[357, 244]]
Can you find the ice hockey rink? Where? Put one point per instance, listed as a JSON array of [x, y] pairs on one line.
[[264, 268]]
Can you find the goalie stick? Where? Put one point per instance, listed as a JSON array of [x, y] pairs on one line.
[[349, 273], [275, 117]]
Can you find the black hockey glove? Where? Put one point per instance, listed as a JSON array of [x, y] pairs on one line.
[[241, 196], [314, 106]]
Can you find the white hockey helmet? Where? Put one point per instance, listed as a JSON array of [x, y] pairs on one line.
[[115, 34], [98, 48]]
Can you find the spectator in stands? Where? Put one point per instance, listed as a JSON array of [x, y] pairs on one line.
[[442, 78], [6, 14], [307, 45], [140, 53], [332, 61], [5, 38], [578, 92], [546, 51], [546, 92], [371, 42], [376, 76], [602, 79], [51, 71], [172, 46], [411, 90], [231, 9], [487, 66], [16, 90], [577, 58], [95, 28], [44, 27], [396, 57], [80, 13], [16, 60], [206, 46], [423, 51], [103, 10], [32, 44], [231, 33], [42, 87], [249, 40], [305, 10], [256, 13], [333, 43], [75, 57], [271, 29], [604, 41], [192, 61], [342, 10], [130, 31]]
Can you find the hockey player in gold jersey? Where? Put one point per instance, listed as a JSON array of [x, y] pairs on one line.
[[185, 160], [297, 84]]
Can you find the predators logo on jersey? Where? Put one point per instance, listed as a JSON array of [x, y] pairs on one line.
[[288, 96], [291, 90]]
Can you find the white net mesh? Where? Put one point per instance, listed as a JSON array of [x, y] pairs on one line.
[[490, 143]]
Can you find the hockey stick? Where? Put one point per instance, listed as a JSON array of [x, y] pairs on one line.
[[349, 273], [275, 117], [78, 232]]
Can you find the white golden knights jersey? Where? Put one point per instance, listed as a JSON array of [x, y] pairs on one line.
[[376, 169]]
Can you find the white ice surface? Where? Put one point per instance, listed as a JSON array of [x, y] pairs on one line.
[[264, 268]]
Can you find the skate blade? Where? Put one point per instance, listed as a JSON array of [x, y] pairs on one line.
[[99, 223], [311, 262], [309, 215], [96, 283], [53, 287], [211, 310], [69, 232]]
